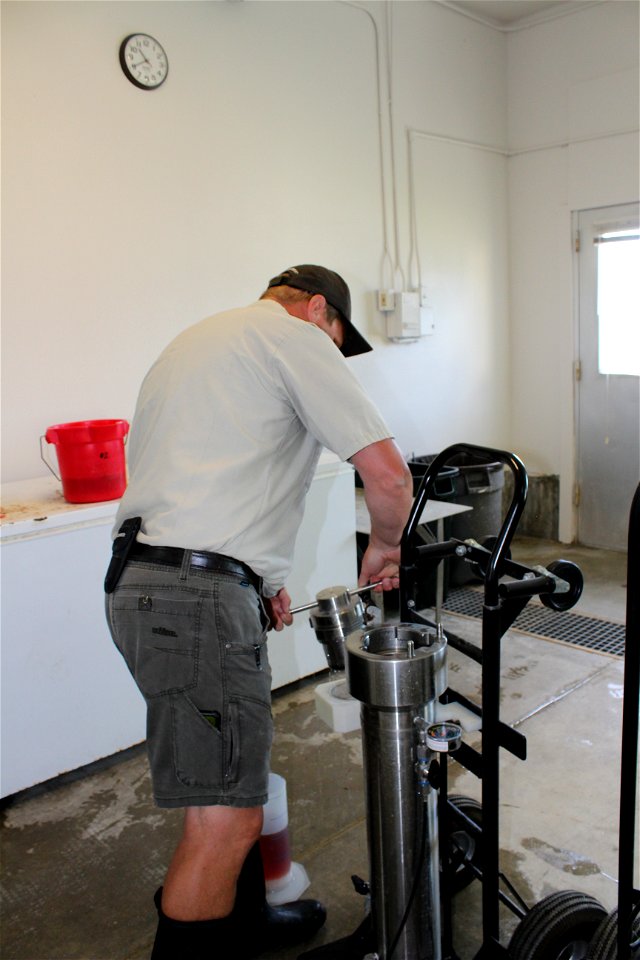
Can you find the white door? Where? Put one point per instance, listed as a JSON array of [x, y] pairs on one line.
[[608, 373]]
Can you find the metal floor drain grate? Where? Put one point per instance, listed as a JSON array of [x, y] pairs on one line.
[[574, 628]]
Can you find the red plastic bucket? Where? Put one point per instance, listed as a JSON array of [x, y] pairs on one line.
[[90, 457]]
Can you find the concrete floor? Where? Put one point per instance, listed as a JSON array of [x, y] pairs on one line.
[[81, 859]]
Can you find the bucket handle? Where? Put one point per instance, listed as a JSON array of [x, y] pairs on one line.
[[477, 480], [45, 461], [444, 487]]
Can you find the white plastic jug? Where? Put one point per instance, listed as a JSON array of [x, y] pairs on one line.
[[284, 880]]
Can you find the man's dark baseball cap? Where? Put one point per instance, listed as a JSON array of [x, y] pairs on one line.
[[314, 279]]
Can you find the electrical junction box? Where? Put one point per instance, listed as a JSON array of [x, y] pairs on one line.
[[386, 301], [409, 320]]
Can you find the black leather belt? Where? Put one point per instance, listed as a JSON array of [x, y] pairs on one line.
[[200, 559]]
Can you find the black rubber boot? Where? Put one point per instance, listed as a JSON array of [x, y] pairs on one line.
[[193, 939], [261, 927]]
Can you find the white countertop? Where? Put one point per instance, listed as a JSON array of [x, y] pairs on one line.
[[434, 510], [33, 507]]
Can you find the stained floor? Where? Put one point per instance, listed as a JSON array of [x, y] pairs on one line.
[[82, 858]]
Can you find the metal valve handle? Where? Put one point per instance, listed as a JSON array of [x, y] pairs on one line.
[[314, 603]]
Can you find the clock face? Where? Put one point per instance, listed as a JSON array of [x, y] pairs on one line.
[[144, 61]]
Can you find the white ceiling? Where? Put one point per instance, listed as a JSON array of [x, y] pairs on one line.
[[509, 12]]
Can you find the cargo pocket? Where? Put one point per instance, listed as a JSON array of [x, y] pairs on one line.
[[251, 733], [199, 747], [159, 639]]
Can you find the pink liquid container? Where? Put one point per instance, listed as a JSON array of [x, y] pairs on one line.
[[284, 880], [276, 855]]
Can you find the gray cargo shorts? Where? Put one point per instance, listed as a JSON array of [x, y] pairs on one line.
[[195, 643]]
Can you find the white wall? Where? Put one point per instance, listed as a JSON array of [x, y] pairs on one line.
[[573, 126], [449, 93], [129, 214]]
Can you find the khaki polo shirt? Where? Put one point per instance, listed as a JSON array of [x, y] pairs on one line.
[[229, 425]]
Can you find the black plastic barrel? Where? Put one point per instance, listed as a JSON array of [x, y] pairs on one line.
[[479, 485], [446, 487]]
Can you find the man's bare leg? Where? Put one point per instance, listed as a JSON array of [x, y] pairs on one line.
[[202, 876]]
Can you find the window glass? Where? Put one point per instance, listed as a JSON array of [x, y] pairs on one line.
[[618, 256]]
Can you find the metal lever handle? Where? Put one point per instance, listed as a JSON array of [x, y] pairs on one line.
[[314, 603], [367, 586], [305, 606]]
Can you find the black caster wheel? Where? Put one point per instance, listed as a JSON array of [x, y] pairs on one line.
[[604, 945], [570, 572], [463, 844], [559, 927]]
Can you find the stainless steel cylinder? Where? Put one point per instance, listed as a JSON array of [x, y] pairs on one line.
[[398, 671], [335, 616]]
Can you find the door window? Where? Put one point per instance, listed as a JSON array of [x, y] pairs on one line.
[[618, 302]]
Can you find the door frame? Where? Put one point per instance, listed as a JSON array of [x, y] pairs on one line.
[[576, 216]]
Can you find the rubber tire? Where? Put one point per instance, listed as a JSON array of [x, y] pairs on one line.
[[604, 945], [571, 572], [472, 809], [559, 927]]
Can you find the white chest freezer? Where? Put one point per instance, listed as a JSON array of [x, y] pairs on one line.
[[67, 696]]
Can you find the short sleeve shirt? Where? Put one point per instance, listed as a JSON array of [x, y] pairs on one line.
[[229, 425]]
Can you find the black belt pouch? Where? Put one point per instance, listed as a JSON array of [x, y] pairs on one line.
[[125, 539]]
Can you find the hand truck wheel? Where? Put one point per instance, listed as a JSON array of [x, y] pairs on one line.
[[604, 945], [572, 574], [463, 845], [559, 927]]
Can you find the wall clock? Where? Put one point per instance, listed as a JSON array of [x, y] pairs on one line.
[[143, 61]]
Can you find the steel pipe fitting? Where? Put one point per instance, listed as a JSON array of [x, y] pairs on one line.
[[397, 672], [396, 665], [337, 613]]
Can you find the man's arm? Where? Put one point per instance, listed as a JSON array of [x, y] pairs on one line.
[[388, 492]]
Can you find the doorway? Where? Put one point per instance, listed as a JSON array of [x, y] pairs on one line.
[[607, 372]]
